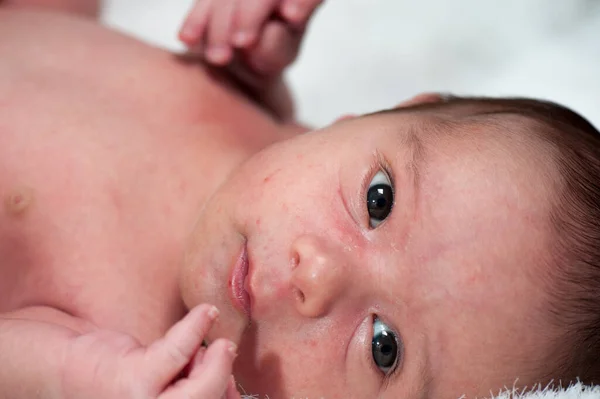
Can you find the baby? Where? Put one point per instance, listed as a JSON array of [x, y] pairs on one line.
[[446, 247]]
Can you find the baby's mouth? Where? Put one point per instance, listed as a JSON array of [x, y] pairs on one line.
[[239, 285]]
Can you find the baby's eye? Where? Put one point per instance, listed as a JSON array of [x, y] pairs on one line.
[[385, 347], [380, 199]]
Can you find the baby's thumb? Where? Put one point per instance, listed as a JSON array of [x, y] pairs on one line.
[[168, 356], [232, 392]]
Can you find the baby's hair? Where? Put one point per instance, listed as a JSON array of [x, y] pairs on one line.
[[573, 278]]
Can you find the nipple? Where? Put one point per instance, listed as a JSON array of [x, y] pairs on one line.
[[18, 201]]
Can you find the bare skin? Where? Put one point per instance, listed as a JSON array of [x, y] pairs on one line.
[[450, 273], [108, 148], [133, 181], [86, 8]]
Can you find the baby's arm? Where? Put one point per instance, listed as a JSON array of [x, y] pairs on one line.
[[33, 342], [49, 354], [254, 40], [89, 8]]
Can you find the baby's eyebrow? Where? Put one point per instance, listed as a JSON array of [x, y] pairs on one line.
[[415, 157]]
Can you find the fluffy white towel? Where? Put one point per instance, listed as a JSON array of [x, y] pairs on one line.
[[575, 391]]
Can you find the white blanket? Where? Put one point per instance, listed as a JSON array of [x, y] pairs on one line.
[[576, 391]]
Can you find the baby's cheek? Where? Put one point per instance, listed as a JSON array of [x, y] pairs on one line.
[[346, 231], [318, 364]]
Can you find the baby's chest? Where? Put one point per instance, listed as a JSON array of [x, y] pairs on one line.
[[104, 160], [89, 223]]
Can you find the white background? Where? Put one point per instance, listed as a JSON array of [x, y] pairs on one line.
[[365, 55]]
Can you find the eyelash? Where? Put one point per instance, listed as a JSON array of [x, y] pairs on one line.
[[379, 163], [372, 366]]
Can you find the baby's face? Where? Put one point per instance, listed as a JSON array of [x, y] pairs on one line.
[[351, 297]]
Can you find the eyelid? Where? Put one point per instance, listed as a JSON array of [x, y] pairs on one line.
[[379, 163], [390, 377]]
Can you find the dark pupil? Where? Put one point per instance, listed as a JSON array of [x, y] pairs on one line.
[[379, 201], [384, 348]]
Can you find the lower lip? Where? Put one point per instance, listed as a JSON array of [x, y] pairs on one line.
[[239, 295]]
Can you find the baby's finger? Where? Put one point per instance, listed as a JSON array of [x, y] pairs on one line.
[[277, 48], [232, 392], [250, 16], [165, 358], [198, 358], [221, 352], [219, 51], [209, 379], [195, 23], [298, 12]]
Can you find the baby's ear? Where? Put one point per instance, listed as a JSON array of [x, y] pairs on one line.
[[345, 117], [423, 98]]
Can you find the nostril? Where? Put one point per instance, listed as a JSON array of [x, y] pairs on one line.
[[294, 260], [299, 295], [317, 275]]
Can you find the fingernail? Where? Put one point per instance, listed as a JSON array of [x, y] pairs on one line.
[[188, 33], [291, 10], [242, 39], [232, 349], [213, 313]]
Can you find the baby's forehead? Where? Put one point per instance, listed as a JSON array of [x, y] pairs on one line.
[[455, 123], [545, 120], [457, 110], [481, 133], [482, 120]]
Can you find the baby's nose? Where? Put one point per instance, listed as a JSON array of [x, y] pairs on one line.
[[319, 276]]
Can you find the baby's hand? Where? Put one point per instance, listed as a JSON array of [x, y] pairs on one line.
[[266, 33], [106, 364]]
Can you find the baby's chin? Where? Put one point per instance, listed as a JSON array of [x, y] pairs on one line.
[[229, 325]]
